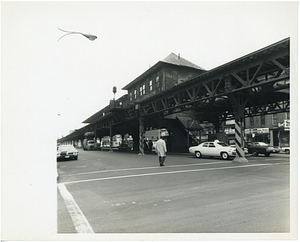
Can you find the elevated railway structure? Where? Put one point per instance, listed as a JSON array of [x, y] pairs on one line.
[[253, 85]]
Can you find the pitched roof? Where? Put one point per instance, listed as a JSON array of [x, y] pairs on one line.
[[178, 60], [172, 59]]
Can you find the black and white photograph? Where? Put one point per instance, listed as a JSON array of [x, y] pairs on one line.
[[171, 120]]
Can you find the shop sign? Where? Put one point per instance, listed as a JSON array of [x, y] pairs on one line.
[[230, 122], [229, 131], [204, 137], [257, 131], [286, 124]]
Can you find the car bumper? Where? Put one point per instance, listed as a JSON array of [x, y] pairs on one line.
[[192, 151], [273, 151], [66, 156]]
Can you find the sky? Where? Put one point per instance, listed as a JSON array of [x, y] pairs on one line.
[[71, 79], [49, 87]]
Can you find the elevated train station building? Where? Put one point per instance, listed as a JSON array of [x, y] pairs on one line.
[[193, 103]]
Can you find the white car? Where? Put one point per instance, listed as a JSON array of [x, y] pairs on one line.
[[67, 152], [286, 150], [215, 148]]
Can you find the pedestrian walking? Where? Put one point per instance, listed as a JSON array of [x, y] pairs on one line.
[[161, 150]]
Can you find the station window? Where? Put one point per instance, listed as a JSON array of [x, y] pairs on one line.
[[144, 89], [130, 96], [263, 120], [141, 90], [157, 81], [251, 121], [150, 85], [135, 94], [274, 119]]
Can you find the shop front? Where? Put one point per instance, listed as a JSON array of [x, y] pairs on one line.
[[284, 133], [259, 135]]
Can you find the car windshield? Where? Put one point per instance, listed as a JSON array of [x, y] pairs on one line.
[[222, 144], [65, 147]]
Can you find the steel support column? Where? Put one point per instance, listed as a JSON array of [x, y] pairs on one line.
[[141, 135], [111, 136], [95, 135], [238, 102]]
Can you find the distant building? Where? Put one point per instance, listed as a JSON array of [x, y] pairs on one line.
[[273, 129]]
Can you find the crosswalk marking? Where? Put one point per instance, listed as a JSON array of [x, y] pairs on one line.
[[146, 168], [168, 172], [79, 220]]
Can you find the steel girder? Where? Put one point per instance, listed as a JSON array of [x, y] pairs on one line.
[[262, 76]]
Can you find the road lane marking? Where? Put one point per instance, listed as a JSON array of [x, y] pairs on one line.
[[168, 172], [79, 220], [145, 168], [272, 159]]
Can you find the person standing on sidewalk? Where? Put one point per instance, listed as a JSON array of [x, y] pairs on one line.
[[161, 150]]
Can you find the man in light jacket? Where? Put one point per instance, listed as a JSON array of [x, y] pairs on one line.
[[161, 150]]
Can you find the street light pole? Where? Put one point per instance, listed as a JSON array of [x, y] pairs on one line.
[[114, 91], [89, 36]]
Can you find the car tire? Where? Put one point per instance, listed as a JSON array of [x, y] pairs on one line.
[[75, 158], [267, 154], [224, 156], [198, 154], [255, 153]]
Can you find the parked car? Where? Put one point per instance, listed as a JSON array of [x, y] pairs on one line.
[[89, 145], [67, 152], [285, 150], [213, 149], [256, 148]]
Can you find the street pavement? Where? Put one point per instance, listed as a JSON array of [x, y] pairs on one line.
[[119, 192]]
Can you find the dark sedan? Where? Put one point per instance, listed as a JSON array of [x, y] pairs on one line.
[[256, 148]]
